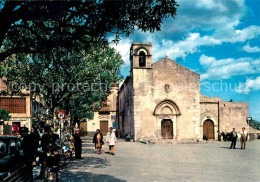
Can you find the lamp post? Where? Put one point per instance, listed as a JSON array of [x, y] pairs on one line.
[[248, 119]]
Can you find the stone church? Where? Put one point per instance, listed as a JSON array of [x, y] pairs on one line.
[[162, 100]]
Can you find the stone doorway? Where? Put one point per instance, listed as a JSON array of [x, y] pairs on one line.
[[167, 129], [208, 130], [104, 127]]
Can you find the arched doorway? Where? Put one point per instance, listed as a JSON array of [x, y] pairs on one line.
[[208, 130], [167, 129], [167, 113]]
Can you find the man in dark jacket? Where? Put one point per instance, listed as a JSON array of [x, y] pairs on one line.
[[46, 147], [27, 146], [77, 145], [35, 137], [233, 139]]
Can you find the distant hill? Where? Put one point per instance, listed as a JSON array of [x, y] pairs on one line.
[[255, 124]]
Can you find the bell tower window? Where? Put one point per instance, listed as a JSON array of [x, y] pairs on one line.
[[142, 59]]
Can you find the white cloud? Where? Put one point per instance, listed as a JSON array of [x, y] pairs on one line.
[[123, 48], [206, 15], [182, 36], [190, 45], [238, 35], [193, 41], [248, 48], [249, 86], [226, 68], [205, 60], [210, 4]]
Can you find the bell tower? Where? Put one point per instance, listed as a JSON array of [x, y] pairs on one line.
[[141, 55]]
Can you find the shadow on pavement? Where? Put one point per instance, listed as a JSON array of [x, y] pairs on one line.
[[88, 151], [225, 147], [88, 177], [88, 162], [75, 171], [88, 148]]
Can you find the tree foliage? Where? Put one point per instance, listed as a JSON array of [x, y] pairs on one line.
[[76, 81], [44, 44], [4, 114], [255, 124], [40, 26]]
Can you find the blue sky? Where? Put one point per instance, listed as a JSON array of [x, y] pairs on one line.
[[219, 39]]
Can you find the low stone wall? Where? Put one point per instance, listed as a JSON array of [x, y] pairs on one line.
[[254, 136]]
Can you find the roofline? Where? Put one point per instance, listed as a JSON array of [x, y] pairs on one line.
[[176, 63]]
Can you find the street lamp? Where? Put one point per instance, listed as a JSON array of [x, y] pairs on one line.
[[248, 119]]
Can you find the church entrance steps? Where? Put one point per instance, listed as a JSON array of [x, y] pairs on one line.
[[167, 141], [174, 141]]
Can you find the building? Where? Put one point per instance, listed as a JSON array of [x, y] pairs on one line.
[[25, 111], [20, 111], [105, 117], [163, 101]]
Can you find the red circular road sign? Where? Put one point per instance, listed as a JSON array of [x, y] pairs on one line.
[[61, 114]]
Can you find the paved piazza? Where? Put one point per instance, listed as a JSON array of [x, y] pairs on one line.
[[212, 161]]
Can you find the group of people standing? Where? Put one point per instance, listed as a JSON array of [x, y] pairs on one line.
[[49, 142], [243, 138], [110, 140]]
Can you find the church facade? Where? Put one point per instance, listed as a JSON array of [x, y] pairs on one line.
[[162, 101]]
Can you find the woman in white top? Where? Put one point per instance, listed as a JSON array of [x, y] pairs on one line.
[[111, 140]]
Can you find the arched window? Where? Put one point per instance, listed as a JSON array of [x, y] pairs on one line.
[[142, 59]]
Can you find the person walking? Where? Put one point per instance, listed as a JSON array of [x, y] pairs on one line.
[[35, 137], [243, 138], [111, 140], [98, 140], [45, 144], [27, 146], [233, 139], [77, 145]]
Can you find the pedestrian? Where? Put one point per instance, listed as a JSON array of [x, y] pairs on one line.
[[46, 147], [128, 137], [27, 146], [243, 138], [54, 139], [98, 140], [233, 139], [111, 140], [77, 145], [35, 137]]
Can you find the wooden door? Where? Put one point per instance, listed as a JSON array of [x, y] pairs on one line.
[[167, 129], [104, 127], [208, 129]]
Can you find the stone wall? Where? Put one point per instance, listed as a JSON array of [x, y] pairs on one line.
[[143, 105], [204, 98], [233, 115], [209, 109], [227, 115], [125, 114], [183, 90], [168, 90], [166, 81]]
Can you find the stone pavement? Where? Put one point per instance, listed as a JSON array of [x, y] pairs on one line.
[[208, 162]]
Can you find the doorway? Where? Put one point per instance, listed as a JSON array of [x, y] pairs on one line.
[[104, 127], [208, 130], [167, 129]]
